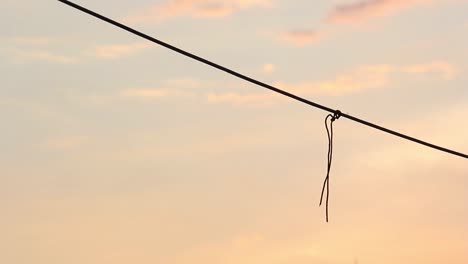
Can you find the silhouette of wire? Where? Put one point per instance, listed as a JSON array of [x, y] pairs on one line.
[[326, 182], [259, 83]]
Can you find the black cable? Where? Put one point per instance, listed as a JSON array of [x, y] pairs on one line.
[[259, 83]]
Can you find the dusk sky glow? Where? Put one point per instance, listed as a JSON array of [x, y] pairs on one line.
[[115, 150]]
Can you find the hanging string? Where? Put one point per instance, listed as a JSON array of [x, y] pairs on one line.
[[326, 183]]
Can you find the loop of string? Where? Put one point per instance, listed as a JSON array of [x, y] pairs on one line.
[[326, 184]]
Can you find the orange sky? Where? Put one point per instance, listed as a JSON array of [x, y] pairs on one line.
[[118, 151]]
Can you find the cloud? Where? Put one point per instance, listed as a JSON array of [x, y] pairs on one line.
[[183, 87], [300, 37], [30, 49], [214, 10], [365, 9], [31, 40], [153, 93], [184, 83], [362, 78], [444, 69], [118, 51], [22, 56], [268, 68], [144, 93], [26, 49], [195, 9], [369, 77], [253, 99]]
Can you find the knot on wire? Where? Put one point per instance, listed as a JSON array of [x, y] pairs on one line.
[[336, 115], [326, 184]]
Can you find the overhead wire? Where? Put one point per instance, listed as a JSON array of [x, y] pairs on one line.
[[259, 83]]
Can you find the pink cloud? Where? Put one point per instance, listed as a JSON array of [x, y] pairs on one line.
[[300, 37], [444, 69], [153, 93], [117, 51], [370, 77], [170, 88], [268, 68], [214, 10], [359, 79], [365, 9], [254, 99], [195, 9], [362, 78]]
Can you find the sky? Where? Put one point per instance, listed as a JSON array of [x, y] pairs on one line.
[[115, 150]]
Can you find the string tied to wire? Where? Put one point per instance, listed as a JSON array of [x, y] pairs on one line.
[[334, 116], [326, 183]]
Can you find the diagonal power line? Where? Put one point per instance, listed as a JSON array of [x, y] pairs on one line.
[[259, 83]]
